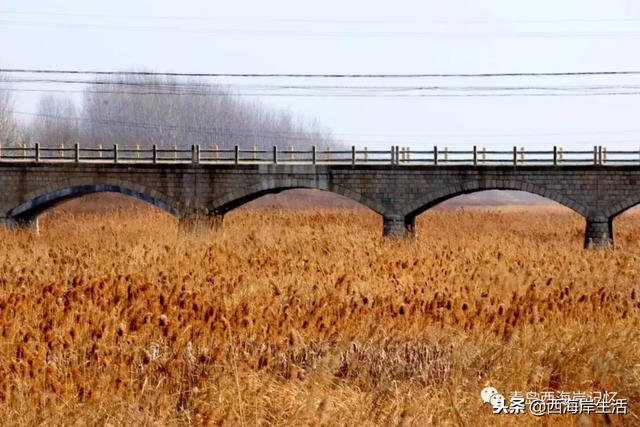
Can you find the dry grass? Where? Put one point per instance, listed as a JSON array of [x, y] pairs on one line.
[[311, 318]]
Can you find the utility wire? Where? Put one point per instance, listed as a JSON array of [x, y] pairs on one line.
[[172, 86], [325, 75], [231, 132], [176, 128], [335, 95]]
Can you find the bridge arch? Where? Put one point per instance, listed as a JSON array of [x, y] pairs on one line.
[[614, 210], [604, 224], [434, 198], [36, 202], [237, 198]]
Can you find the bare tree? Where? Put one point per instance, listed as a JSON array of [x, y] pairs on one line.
[[152, 110], [8, 124], [56, 122]]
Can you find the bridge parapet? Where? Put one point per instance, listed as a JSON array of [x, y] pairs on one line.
[[395, 155]]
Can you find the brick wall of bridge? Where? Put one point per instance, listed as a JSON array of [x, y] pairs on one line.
[[398, 193]]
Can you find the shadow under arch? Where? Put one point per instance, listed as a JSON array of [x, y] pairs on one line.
[[29, 211]]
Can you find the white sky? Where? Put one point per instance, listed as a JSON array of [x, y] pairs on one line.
[[435, 36]]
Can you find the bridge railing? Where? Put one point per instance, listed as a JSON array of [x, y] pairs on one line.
[[395, 155]]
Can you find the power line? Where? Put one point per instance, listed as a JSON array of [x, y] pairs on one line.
[[234, 132], [176, 128], [314, 90], [334, 95], [176, 85], [325, 75]]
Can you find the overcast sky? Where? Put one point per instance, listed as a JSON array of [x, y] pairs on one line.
[[435, 36]]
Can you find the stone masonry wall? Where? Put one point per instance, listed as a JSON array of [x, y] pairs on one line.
[[398, 193]]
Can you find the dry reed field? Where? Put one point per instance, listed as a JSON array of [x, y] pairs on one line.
[[310, 317]]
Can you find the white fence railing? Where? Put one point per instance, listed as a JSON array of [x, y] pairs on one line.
[[395, 155]]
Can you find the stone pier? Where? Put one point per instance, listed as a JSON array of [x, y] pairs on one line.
[[598, 232]]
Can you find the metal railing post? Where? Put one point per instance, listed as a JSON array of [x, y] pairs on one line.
[[255, 153], [175, 153], [561, 155], [366, 155], [398, 158], [37, 154], [62, 151], [314, 154], [555, 155], [446, 154], [77, 152], [100, 151], [595, 154], [195, 154], [475, 155], [236, 154], [599, 154], [435, 155], [522, 155], [484, 155], [353, 154], [115, 153], [515, 156], [275, 155], [393, 155], [604, 155], [154, 154], [137, 151]]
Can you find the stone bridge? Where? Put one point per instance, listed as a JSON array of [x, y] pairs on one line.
[[397, 192]]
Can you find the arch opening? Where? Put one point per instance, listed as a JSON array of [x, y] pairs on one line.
[[492, 196], [293, 199], [29, 211], [492, 208], [281, 208], [626, 224], [620, 218], [293, 196]]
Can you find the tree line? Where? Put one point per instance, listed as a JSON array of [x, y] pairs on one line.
[[132, 110]]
